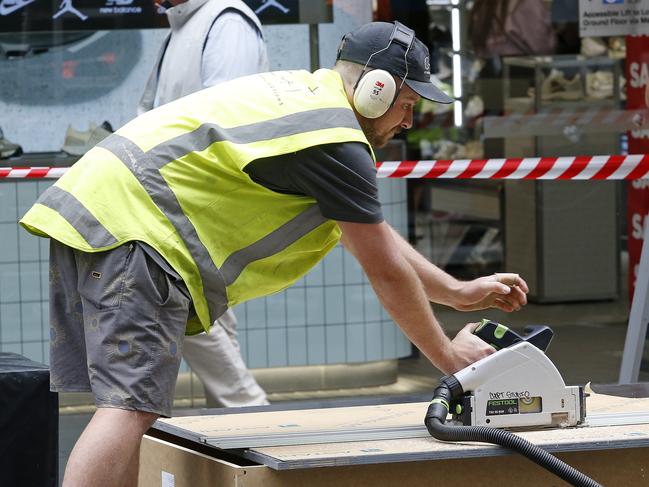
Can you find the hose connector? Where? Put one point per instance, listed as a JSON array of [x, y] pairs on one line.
[[439, 407]]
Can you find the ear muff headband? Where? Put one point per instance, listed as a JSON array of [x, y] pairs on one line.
[[376, 91]]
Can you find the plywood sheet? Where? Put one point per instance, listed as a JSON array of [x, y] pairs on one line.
[[346, 418], [604, 404], [301, 421], [406, 449], [411, 449]]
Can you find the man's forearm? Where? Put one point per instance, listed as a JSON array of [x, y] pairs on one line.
[[400, 291], [439, 286]]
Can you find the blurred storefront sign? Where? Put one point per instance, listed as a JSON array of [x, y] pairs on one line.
[[43, 16], [73, 15], [613, 17]]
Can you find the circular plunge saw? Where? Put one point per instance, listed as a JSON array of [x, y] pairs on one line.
[[518, 387]]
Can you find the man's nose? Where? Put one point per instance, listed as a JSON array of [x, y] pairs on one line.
[[406, 123]]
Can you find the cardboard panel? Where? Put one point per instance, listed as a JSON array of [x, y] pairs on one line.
[[165, 464]]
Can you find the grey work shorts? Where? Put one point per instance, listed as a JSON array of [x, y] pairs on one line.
[[117, 322]]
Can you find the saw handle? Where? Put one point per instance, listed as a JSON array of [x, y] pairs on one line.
[[499, 336]]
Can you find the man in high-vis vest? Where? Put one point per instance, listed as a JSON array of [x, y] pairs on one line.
[[228, 194]]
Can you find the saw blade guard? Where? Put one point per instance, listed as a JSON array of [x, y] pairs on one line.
[[519, 386]]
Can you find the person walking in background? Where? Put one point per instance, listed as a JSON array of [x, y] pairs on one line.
[[211, 41], [510, 28], [499, 28]]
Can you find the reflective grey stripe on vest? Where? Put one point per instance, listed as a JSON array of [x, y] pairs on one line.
[[150, 178], [78, 216], [295, 123], [272, 243]]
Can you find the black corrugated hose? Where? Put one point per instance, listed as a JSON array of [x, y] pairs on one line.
[[436, 417]]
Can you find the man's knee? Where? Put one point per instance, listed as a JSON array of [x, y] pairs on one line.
[[145, 419], [137, 421]]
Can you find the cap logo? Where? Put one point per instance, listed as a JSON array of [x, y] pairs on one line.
[[426, 65]]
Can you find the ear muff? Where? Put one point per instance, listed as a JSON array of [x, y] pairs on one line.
[[374, 93]]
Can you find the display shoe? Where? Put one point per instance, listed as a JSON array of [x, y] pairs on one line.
[[446, 149], [593, 47], [557, 87], [616, 48], [77, 143], [474, 107], [8, 149], [599, 85]]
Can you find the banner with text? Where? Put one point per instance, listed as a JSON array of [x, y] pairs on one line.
[[28, 16], [613, 17], [637, 74]]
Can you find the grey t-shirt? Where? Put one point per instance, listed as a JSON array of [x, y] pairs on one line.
[[341, 178]]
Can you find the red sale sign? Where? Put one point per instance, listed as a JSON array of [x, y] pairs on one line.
[[637, 75]]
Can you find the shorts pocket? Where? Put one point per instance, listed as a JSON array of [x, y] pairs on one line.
[[102, 276], [159, 281]]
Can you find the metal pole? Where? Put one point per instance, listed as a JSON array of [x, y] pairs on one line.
[[636, 332], [314, 46]]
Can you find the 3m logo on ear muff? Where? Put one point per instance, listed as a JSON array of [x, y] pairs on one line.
[[378, 86]]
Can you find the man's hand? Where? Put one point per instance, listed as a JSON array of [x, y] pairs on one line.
[[504, 291], [468, 348]]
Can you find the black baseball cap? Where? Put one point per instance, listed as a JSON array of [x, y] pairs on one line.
[[383, 45]]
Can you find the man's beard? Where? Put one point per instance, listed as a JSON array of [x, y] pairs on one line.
[[375, 139]]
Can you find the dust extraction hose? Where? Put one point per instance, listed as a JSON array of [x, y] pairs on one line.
[[436, 417]]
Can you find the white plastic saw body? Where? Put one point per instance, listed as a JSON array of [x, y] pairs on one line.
[[517, 387]]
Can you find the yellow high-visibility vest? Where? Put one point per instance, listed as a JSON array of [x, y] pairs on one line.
[[173, 178]]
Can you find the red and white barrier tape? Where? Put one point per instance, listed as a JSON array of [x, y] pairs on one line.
[[580, 167], [32, 172]]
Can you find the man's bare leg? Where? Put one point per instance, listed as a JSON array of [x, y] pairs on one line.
[[107, 453], [133, 469]]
